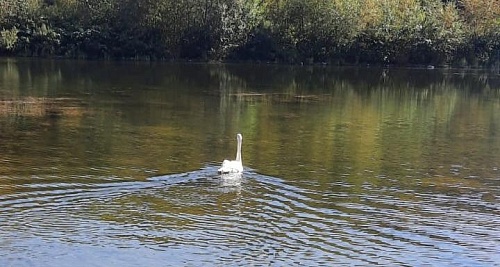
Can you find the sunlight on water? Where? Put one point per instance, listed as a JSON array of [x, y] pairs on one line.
[[115, 164]]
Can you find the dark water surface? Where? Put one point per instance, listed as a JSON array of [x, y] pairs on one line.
[[114, 164]]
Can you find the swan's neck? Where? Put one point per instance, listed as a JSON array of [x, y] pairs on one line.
[[238, 152]]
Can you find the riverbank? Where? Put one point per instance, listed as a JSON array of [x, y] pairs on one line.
[[462, 33]]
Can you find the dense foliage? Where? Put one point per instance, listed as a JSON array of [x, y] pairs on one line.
[[461, 32]]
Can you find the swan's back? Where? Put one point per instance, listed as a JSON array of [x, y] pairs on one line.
[[233, 166]]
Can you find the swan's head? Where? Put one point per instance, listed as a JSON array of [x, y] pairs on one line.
[[239, 137]]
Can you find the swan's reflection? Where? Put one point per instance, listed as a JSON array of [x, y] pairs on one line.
[[231, 179]]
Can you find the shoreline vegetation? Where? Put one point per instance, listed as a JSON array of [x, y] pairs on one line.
[[459, 33]]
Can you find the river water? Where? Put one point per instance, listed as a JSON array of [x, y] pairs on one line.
[[115, 164]]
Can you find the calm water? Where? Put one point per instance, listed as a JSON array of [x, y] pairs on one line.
[[114, 164]]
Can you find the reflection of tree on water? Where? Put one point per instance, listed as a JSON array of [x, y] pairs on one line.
[[339, 115], [362, 119], [41, 107]]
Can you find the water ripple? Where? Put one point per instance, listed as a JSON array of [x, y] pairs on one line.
[[250, 220]]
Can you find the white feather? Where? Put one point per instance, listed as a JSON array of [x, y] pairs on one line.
[[233, 166]]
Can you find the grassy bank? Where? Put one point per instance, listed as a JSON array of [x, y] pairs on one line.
[[457, 32]]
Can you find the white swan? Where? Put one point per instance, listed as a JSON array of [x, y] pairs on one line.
[[233, 166]]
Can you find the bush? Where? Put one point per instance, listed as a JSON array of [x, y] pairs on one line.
[[483, 31], [8, 39], [294, 31]]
